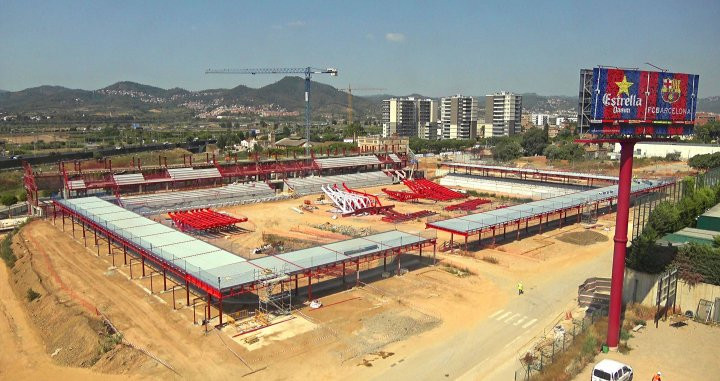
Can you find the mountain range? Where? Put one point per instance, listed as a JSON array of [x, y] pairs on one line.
[[286, 94], [136, 98]]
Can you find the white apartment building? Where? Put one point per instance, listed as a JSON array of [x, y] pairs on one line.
[[540, 120], [458, 117], [504, 111], [409, 117]]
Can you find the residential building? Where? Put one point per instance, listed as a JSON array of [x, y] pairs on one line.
[[458, 116], [427, 112], [703, 118], [504, 111], [378, 143], [409, 117], [540, 120]]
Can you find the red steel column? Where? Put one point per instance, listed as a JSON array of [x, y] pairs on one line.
[[621, 228]]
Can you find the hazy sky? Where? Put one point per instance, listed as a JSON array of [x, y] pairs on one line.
[[429, 47]]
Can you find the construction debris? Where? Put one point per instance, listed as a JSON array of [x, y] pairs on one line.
[[345, 230]]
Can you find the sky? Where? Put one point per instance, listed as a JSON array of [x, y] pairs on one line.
[[434, 48]]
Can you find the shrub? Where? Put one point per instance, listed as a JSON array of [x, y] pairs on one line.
[[590, 345], [6, 252]]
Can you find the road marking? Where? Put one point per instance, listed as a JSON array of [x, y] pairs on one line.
[[522, 319], [498, 312], [503, 316], [511, 318], [531, 322]]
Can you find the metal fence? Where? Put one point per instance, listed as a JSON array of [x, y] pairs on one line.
[[548, 347]]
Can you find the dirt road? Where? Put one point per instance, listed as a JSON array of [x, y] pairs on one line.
[[23, 355], [488, 349], [142, 318]]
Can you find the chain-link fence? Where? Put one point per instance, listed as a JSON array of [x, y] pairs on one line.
[[548, 347]]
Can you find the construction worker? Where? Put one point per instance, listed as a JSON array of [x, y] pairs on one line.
[[520, 288], [657, 377]]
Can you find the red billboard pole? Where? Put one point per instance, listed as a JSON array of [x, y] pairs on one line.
[[627, 106], [621, 230]]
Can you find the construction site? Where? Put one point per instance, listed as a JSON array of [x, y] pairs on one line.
[[358, 259]]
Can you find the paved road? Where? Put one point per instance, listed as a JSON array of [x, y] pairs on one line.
[[488, 351]]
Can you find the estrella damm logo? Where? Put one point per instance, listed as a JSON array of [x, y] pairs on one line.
[[670, 90]]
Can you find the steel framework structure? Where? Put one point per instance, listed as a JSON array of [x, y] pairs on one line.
[[81, 182], [334, 262], [492, 221], [525, 173]]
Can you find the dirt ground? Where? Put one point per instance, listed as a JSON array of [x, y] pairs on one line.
[[684, 353], [357, 332], [280, 219], [382, 322]]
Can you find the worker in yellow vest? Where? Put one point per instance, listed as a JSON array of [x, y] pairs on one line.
[[520, 288]]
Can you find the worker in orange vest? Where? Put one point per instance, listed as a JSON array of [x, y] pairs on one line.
[[657, 377]]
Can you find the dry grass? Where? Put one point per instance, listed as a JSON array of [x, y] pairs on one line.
[[457, 270], [581, 352], [490, 259]]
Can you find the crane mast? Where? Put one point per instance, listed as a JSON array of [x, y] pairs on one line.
[[307, 71]]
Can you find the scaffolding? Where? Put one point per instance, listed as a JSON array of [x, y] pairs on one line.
[[274, 297]]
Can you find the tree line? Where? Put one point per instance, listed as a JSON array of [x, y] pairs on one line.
[[694, 262]]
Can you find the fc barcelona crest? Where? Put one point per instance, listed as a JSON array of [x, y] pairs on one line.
[[670, 90]]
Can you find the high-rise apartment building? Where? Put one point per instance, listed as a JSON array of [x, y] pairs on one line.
[[458, 116], [427, 118], [504, 111], [409, 117]]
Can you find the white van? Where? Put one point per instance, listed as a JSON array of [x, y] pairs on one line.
[[611, 370]]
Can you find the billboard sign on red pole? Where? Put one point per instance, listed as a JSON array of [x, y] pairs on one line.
[[635, 102]]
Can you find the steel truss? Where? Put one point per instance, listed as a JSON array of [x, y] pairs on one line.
[[215, 295]]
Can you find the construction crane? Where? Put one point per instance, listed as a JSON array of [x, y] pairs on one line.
[[308, 71], [350, 99]]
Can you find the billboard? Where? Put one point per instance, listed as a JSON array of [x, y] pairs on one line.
[[649, 100]]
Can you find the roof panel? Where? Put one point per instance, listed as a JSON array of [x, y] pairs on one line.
[[220, 268], [483, 220]]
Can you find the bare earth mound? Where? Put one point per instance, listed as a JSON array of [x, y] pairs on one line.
[[583, 238]]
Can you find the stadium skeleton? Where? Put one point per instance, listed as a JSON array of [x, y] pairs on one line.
[[218, 275]]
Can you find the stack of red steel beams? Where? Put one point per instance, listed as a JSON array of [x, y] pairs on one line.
[[400, 195], [394, 217], [203, 219], [468, 205], [432, 191]]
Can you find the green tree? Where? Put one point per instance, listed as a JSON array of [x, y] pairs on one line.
[[534, 141], [664, 218], [507, 150], [222, 141], [8, 199], [565, 151]]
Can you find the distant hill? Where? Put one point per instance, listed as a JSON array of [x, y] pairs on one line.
[[288, 93], [548, 103], [709, 104], [131, 97]]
